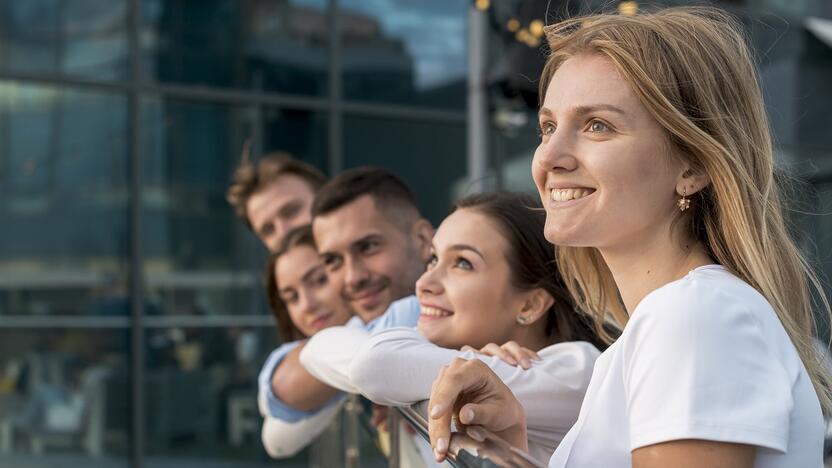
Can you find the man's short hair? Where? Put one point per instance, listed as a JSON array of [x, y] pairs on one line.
[[390, 194], [250, 178]]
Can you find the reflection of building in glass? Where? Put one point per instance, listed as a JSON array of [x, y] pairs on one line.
[[74, 122]]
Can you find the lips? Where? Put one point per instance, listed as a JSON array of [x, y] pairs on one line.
[[367, 293], [320, 321]]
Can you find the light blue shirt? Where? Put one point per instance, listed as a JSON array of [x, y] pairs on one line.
[[402, 313]]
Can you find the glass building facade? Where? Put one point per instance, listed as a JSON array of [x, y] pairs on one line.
[[132, 317]]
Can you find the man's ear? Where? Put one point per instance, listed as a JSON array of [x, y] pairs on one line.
[[422, 233], [538, 301]]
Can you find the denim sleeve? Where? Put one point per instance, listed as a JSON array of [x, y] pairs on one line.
[[270, 405]]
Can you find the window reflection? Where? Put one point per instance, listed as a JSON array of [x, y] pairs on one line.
[[429, 157], [274, 45], [85, 38], [63, 396], [199, 258], [201, 390], [405, 52], [63, 167]]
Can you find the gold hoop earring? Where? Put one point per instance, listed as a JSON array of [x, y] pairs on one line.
[[684, 202]]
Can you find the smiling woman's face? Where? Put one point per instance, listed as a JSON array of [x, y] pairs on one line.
[[603, 168], [313, 302], [466, 293]]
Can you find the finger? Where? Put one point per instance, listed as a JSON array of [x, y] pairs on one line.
[[440, 410], [517, 352], [490, 415], [492, 349], [459, 378], [467, 348]]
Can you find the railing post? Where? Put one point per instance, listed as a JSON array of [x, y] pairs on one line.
[[394, 426]]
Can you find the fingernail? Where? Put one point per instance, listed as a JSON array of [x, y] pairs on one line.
[[526, 364], [437, 455], [441, 445], [538, 358], [466, 416], [476, 434], [436, 411], [512, 361]]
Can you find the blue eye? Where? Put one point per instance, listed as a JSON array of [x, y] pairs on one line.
[[546, 129], [596, 126], [464, 264]]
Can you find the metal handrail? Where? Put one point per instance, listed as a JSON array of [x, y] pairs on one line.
[[466, 452]]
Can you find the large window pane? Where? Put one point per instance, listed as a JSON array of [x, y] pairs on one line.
[[199, 258], [405, 52], [63, 245], [429, 157], [63, 397], [85, 38], [201, 395], [274, 45]]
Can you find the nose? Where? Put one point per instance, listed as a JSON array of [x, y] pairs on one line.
[[558, 152], [308, 302], [356, 273], [429, 284], [281, 228]]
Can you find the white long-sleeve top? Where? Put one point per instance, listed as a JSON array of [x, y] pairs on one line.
[[328, 355], [283, 439], [398, 366]]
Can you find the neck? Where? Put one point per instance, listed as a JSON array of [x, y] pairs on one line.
[[532, 336], [642, 266]]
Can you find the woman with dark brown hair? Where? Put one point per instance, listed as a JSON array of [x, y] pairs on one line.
[[303, 302], [491, 284]]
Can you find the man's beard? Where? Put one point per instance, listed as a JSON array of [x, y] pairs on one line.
[[374, 284]]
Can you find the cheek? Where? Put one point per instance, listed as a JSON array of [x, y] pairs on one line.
[[329, 297], [538, 172], [480, 307], [295, 315]]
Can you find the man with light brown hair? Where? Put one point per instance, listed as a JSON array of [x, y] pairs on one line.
[[274, 195]]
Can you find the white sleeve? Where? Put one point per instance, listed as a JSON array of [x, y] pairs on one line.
[[283, 439], [328, 354], [398, 366], [697, 365]]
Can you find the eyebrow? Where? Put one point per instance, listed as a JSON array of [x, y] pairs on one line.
[[368, 237], [585, 109], [289, 206], [467, 247], [310, 272]]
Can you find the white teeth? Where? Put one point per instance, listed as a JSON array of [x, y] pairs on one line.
[[562, 195], [434, 312]]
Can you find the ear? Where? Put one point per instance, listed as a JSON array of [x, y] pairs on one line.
[[691, 180], [422, 233], [538, 302]]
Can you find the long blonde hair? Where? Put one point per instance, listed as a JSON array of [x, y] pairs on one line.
[[693, 71]]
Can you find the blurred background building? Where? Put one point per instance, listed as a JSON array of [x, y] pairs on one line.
[[132, 318]]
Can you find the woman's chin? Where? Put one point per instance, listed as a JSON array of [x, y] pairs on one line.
[[564, 236]]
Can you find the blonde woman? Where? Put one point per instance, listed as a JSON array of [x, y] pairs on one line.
[[655, 168]]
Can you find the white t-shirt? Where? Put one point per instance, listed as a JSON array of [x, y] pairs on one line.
[[704, 357]]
